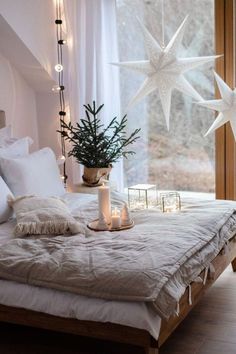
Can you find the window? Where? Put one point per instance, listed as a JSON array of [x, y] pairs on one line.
[[181, 159]]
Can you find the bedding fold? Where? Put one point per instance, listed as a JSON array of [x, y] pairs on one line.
[[153, 262]]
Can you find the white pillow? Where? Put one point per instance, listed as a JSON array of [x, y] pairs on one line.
[[5, 134], [18, 148], [36, 173], [5, 210]]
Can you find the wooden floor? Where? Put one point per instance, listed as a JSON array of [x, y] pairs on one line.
[[210, 329]]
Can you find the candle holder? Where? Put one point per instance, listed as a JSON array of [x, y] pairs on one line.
[[142, 196], [125, 216], [94, 225], [170, 202]]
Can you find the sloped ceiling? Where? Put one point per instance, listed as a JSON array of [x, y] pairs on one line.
[[13, 48]]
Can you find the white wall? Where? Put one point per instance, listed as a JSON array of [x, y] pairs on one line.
[[33, 21], [35, 112], [48, 120], [18, 100]]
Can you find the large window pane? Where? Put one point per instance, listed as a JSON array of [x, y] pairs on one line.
[[181, 159]]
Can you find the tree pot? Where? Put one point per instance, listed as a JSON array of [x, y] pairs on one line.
[[94, 176]]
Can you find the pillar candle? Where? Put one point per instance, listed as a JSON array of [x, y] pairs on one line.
[[115, 219], [104, 203]]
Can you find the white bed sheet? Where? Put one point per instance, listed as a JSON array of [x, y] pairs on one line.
[[65, 304]]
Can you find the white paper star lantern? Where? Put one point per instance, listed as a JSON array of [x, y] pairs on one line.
[[164, 69], [226, 106]]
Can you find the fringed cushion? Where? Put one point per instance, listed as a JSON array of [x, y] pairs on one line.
[[43, 216]]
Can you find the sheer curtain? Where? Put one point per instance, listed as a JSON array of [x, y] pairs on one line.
[[92, 45]]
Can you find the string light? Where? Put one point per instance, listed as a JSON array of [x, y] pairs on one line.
[[60, 87], [58, 68], [62, 41]]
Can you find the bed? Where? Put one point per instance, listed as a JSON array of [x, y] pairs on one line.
[[129, 322], [133, 322]]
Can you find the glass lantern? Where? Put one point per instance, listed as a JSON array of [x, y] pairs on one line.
[[142, 196], [170, 202]]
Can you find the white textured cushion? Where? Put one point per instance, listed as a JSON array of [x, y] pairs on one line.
[[43, 216], [17, 148], [5, 210], [36, 173]]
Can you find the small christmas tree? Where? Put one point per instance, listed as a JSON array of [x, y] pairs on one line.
[[96, 146]]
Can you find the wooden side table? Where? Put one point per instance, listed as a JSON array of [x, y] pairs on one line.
[[82, 188]]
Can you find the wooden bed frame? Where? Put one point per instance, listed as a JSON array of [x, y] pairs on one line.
[[120, 333]]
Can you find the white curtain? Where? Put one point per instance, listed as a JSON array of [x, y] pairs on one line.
[[92, 45]]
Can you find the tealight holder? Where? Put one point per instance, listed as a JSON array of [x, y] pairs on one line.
[[170, 202], [142, 196]]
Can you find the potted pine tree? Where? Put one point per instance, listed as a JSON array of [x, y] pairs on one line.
[[97, 147]]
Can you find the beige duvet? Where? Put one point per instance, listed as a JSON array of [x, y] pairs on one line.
[[152, 262]]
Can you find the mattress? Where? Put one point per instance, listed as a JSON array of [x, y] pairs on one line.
[[64, 304]]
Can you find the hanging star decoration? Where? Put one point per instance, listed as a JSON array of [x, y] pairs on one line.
[[164, 69], [226, 106]]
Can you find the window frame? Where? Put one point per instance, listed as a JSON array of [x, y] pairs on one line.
[[225, 174]]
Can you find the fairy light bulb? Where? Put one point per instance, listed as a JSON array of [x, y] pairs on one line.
[[58, 68], [60, 160], [57, 88]]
